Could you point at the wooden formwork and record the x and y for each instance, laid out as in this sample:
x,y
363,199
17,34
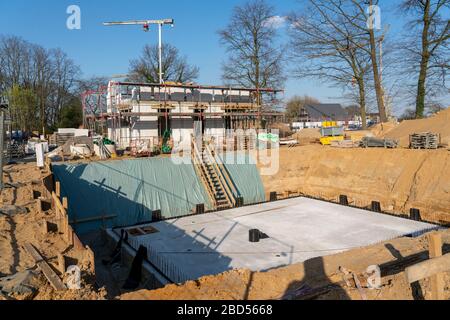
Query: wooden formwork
x,y
60,204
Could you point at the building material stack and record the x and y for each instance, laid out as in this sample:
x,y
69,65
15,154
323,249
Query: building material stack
x,y
62,138
425,140
330,132
371,142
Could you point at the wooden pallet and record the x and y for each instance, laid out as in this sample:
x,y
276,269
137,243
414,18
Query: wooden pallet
x,y
425,140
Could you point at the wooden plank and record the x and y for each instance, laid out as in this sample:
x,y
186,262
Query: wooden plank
x,y
48,272
428,268
92,219
359,286
58,188
435,251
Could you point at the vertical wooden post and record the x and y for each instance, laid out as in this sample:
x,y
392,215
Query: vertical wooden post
x,y
435,250
44,227
65,218
61,263
58,188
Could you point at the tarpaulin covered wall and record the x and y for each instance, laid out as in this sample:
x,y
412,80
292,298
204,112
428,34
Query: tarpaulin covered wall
x,y
245,175
130,190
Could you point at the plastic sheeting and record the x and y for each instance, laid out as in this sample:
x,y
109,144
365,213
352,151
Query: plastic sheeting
x,y
129,190
245,175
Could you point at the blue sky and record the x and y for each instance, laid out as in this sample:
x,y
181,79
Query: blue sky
x,y
107,51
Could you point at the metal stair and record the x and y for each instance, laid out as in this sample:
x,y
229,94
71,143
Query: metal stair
x,y
214,177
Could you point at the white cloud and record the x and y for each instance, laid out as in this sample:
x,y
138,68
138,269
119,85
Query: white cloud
x,y
276,22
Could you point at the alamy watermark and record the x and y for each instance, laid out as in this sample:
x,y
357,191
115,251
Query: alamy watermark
x,y
235,147
374,17
74,20
73,279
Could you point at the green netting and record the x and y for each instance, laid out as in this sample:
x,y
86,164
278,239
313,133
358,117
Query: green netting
x,y
245,175
129,189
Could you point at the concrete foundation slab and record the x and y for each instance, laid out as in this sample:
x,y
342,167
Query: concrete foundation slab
x,y
298,229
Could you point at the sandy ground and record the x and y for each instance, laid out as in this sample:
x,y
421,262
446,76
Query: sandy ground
x,y
26,227
439,123
400,178
290,282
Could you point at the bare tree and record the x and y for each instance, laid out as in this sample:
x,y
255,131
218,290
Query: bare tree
x,y
428,50
360,15
296,104
40,81
326,45
250,38
175,68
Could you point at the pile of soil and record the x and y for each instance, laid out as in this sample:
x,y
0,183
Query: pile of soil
x,y
399,178
21,222
439,123
289,282
381,129
307,136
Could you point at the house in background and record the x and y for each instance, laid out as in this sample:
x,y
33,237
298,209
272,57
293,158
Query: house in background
x,y
313,115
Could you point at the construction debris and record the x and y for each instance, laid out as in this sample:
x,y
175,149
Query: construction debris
x,y
426,140
345,144
21,283
371,142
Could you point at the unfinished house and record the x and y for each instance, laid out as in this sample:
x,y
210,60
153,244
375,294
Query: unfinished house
x,y
139,111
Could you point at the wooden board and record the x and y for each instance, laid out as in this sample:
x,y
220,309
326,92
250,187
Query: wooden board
x,y
428,268
435,251
48,272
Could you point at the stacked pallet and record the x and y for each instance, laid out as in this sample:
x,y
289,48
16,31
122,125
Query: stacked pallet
x,y
425,140
16,150
62,138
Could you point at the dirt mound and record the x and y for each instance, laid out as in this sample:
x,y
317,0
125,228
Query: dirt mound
x,y
307,136
22,222
290,282
439,123
381,129
400,179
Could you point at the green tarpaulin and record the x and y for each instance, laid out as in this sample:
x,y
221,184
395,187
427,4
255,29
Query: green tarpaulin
x,y
131,189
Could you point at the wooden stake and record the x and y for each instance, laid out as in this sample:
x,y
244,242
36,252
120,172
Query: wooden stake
x,y
61,263
44,227
435,251
58,188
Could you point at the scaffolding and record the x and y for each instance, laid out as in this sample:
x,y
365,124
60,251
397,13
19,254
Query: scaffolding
x,y
119,108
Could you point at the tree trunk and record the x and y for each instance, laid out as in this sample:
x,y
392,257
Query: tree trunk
x,y
421,85
362,103
376,75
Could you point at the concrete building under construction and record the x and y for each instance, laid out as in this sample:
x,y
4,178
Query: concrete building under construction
x,y
139,111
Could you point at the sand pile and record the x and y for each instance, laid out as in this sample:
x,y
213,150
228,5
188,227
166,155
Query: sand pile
x,y
307,136
439,123
18,227
287,282
381,129
400,179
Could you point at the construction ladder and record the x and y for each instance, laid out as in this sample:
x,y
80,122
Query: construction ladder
x,y
214,176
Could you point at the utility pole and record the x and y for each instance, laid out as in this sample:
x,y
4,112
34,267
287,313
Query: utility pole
x,y
4,105
146,25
